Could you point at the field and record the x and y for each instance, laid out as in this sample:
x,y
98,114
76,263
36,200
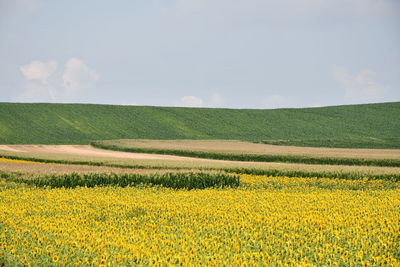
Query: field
x,y
248,148
266,220
79,205
145,202
246,151
84,155
358,126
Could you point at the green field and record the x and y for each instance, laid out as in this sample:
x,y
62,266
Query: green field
x,y
369,125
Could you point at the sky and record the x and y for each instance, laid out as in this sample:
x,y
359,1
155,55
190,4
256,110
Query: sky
x,y
201,53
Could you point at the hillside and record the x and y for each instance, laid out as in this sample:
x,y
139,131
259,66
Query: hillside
x,y
369,125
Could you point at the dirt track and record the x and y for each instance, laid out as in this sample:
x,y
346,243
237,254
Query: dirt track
x,y
89,151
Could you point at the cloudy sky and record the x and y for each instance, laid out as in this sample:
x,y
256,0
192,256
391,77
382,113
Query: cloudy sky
x,y
206,53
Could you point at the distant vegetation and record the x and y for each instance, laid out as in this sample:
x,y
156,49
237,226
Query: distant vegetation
x,y
366,142
370,125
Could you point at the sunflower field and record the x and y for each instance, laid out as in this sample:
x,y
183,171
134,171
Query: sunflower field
x,y
264,221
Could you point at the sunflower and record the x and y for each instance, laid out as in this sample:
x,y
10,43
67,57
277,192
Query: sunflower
x,y
55,258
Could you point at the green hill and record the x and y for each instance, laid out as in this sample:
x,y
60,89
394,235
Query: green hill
x,y
369,125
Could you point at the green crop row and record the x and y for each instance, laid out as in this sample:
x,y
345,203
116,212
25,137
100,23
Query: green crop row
x,y
193,180
361,142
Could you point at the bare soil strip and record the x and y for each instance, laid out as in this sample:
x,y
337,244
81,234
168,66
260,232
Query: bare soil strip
x,y
10,148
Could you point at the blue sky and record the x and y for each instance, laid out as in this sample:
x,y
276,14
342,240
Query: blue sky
x,y
207,53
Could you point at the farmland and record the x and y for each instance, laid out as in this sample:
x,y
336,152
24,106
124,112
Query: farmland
x,y
267,220
140,202
62,206
200,133
245,151
83,155
248,148
358,126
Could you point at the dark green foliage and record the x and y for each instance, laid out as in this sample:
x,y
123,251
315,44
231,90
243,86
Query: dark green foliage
x,y
258,158
362,142
82,123
4,175
193,180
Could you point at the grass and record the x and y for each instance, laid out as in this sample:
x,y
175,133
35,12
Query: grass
x,y
304,159
22,123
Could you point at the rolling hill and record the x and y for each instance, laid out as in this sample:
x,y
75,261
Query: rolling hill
x,y
367,125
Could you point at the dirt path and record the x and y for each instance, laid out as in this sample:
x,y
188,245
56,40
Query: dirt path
x,y
89,151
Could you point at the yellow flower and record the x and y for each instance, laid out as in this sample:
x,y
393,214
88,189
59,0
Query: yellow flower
x,y
298,221
55,258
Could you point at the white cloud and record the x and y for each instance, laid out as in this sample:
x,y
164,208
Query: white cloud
x,y
39,71
78,75
190,101
360,86
55,86
275,101
217,100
